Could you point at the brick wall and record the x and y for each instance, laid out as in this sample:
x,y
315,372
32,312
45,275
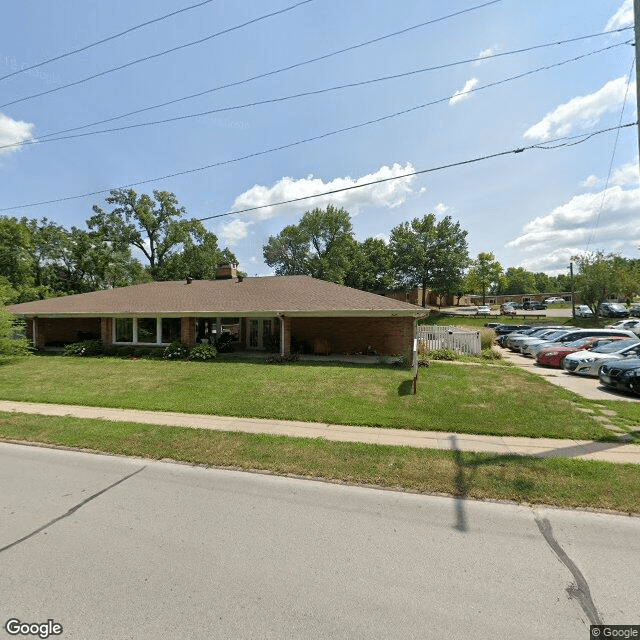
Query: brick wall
x,y
63,329
106,327
188,331
387,336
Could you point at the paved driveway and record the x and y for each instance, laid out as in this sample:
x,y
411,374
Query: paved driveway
x,y
586,387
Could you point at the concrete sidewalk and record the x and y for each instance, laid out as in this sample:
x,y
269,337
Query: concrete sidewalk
x,y
542,447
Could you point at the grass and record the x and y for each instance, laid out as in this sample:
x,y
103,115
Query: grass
x,y
557,481
459,398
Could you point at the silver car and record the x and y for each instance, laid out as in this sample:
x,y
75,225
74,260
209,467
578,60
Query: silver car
x,y
588,363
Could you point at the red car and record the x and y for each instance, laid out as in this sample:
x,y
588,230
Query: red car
x,y
553,356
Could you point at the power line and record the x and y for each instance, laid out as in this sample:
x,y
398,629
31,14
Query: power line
x,y
161,53
311,93
306,62
189,171
613,155
107,39
411,174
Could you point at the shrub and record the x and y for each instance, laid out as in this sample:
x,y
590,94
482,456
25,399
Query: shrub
x,y
176,351
86,348
442,354
487,338
154,354
278,359
491,354
141,352
203,352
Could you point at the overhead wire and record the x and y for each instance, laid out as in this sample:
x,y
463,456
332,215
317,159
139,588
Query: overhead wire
x,y
103,40
306,62
516,150
51,136
613,155
161,53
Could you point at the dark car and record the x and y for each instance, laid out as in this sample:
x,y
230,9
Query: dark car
x,y
510,328
613,310
621,374
635,310
533,305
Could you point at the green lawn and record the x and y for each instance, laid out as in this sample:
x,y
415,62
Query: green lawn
x,y
558,481
451,397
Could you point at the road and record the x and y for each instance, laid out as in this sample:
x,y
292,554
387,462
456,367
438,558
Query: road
x,y
112,547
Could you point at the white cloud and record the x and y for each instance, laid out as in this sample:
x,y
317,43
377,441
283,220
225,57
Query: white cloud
x,y
441,208
623,17
591,181
13,132
600,220
386,194
485,53
581,111
233,232
465,92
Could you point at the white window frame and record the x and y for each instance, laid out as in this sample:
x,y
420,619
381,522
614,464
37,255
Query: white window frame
x,y
158,341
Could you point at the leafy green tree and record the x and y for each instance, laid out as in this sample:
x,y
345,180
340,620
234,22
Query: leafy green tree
x,y
12,340
600,276
320,246
518,280
371,266
485,275
15,246
430,255
153,225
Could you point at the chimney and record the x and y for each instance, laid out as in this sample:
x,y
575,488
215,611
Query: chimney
x,y
226,271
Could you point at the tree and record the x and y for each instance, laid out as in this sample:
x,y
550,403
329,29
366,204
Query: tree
x,y
484,275
430,255
600,276
152,225
518,280
371,266
319,246
15,259
12,340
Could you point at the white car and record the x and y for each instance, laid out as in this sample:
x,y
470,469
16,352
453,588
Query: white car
x,y
483,310
630,324
584,311
588,363
554,300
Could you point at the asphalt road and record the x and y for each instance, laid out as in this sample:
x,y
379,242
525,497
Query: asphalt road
x,y
118,548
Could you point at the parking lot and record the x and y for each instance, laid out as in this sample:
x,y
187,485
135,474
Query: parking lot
x,y
586,387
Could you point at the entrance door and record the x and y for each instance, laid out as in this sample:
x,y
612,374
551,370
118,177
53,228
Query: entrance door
x,y
260,330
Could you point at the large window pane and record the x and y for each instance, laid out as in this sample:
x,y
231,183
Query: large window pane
x,y
170,330
147,330
124,329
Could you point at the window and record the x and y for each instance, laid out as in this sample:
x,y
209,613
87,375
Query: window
x,y
124,330
170,330
147,330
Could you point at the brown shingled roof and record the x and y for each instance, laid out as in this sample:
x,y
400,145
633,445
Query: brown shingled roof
x,y
292,295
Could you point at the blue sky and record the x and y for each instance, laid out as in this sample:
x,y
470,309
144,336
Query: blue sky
x,y
534,209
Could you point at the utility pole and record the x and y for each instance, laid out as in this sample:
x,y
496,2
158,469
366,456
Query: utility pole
x,y
573,297
636,15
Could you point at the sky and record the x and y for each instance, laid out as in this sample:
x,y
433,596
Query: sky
x,y
391,88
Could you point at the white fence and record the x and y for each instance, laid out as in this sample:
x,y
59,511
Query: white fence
x,y
436,337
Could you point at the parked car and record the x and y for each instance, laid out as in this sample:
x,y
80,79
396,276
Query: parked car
x,y
584,311
483,310
508,309
514,341
530,347
613,310
634,309
553,355
554,300
493,325
533,305
630,324
621,374
533,348
588,363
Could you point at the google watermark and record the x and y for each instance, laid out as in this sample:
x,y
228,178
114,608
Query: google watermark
x,y
14,66
15,627
598,631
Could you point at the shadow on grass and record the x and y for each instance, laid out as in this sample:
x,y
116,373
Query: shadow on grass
x,y
465,469
405,388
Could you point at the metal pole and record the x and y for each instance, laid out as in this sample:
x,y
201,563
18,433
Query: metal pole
x,y
636,15
573,297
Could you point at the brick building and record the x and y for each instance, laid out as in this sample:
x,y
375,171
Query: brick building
x,y
275,313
